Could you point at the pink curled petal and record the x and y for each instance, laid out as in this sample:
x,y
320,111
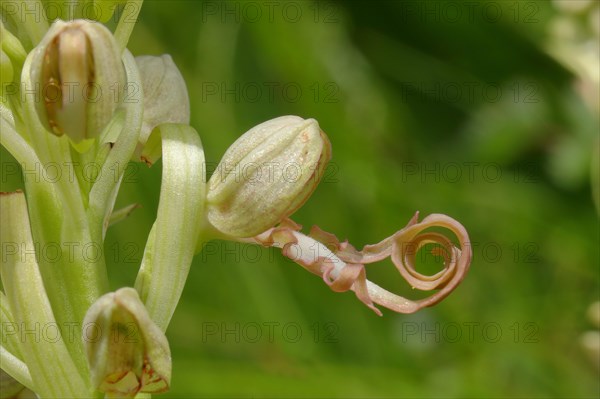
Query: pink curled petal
x,y
457,261
403,257
343,269
351,277
345,279
383,249
266,238
263,239
344,250
327,267
349,274
285,237
362,292
452,259
348,253
443,253
423,282
289,224
391,301
376,252
413,220
325,238
406,244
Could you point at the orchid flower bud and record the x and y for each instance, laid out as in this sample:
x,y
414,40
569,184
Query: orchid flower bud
x,y
266,175
165,95
126,351
77,68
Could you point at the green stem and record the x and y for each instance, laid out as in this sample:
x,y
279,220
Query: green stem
x,y
127,22
172,241
71,259
52,369
104,189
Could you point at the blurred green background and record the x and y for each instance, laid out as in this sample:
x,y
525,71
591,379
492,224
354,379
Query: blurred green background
x,y
484,111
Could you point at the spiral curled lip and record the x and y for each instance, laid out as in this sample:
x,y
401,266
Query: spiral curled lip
x,y
343,267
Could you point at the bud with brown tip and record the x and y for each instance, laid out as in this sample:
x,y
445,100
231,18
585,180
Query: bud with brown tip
x,y
78,71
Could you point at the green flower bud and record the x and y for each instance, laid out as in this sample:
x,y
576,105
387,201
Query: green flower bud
x,y
266,175
78,70
127,352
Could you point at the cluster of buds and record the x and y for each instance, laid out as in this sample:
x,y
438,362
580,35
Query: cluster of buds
x,y
79,88
81,74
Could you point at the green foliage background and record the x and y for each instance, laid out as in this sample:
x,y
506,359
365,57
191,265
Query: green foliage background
x,y
511,163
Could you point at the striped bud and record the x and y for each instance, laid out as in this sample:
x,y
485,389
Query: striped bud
x,y
78,70
266,175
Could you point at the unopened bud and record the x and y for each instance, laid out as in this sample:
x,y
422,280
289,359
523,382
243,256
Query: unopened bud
x,y
165,95
266,175
127,352
78,69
